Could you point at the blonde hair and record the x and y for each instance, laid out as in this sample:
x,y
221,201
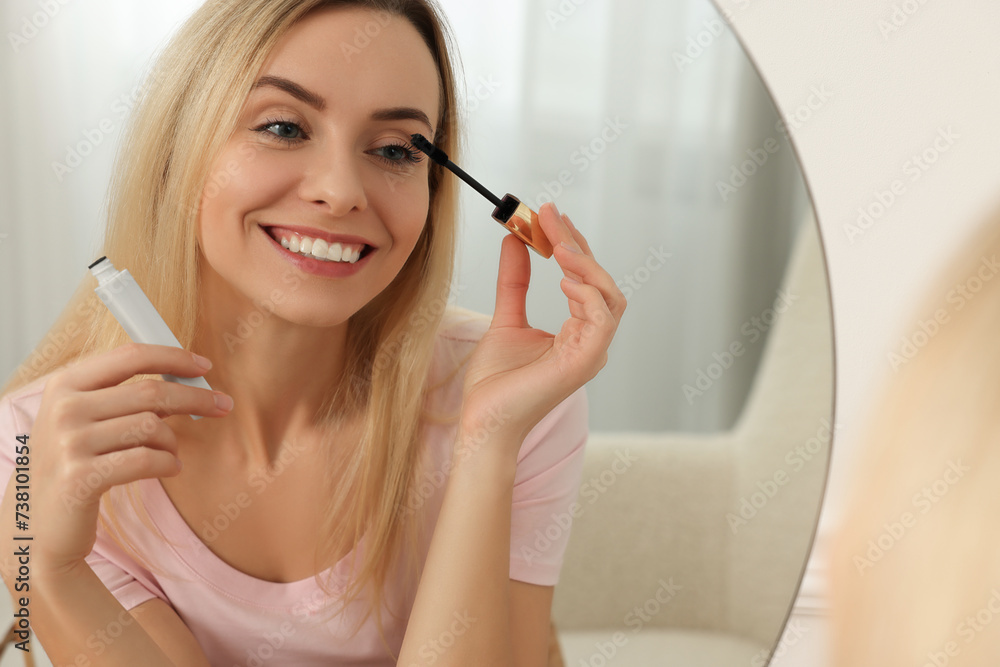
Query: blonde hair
x,y
914,564
181,122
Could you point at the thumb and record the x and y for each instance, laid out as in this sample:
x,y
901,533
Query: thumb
x,y
512,284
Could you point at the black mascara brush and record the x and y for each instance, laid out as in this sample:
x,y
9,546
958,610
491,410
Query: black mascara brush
x,y
519,220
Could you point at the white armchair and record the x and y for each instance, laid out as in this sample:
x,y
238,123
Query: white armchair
x,y
665,537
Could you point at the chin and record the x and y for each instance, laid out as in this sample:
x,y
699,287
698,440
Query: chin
x,y
329,319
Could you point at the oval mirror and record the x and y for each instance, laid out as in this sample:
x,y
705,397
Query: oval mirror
x,y
646,123
710,425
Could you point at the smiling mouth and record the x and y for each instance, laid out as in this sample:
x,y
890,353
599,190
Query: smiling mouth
x,y
334,253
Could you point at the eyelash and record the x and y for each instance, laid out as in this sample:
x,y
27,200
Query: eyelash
x,y
412,155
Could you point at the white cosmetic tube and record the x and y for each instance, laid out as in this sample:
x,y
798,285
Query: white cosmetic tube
x,y
135,312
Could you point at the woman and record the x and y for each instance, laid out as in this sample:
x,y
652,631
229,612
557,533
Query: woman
x,y
914,575
357,418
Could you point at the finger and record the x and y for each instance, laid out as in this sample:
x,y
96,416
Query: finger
x,y
144,429
556,231
114,367
577,307
580,241
555,228
593,274
137,463
600,323
512,284
150,395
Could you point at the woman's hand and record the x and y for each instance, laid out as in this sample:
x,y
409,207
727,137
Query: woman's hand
x,y
91,434
518,374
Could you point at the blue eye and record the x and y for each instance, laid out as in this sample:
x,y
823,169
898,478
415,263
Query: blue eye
x,y
399,155
283,126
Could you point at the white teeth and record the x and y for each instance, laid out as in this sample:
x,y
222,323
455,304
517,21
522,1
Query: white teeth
x,y
318,249
322,250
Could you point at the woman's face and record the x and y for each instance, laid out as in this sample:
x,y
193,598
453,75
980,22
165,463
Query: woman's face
x,y
322,151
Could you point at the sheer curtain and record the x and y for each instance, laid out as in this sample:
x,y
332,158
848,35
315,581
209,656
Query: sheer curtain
x,y
69,75
587,103
642,126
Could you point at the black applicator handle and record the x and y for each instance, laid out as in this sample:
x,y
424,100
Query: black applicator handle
x,y
439,156
519,220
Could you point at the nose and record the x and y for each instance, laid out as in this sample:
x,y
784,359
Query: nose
x,y
333,179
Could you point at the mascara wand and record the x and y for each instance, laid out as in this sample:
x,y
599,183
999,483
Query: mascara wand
x,y
519,220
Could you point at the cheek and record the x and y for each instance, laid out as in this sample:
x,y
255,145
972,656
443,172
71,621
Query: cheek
x,y
241,180
402,206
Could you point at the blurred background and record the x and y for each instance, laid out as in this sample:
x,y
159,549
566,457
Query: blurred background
x,y
639,118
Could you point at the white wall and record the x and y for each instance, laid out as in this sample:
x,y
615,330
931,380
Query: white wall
x,y
900,75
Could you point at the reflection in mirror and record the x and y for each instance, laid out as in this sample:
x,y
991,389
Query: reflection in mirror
x,y
710,425
646,123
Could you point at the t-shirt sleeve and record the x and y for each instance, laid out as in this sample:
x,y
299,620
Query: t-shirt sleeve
x,y
546,484
113,567
127,580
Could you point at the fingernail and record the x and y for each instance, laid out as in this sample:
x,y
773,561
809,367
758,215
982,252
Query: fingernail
x,y
202,361
570,248
223,401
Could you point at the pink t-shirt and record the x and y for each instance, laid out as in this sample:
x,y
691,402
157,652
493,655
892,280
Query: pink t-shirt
x,y
240,620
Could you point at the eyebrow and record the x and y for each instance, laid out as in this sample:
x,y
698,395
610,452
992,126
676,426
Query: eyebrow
x,y
318,103
293,89
403,113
